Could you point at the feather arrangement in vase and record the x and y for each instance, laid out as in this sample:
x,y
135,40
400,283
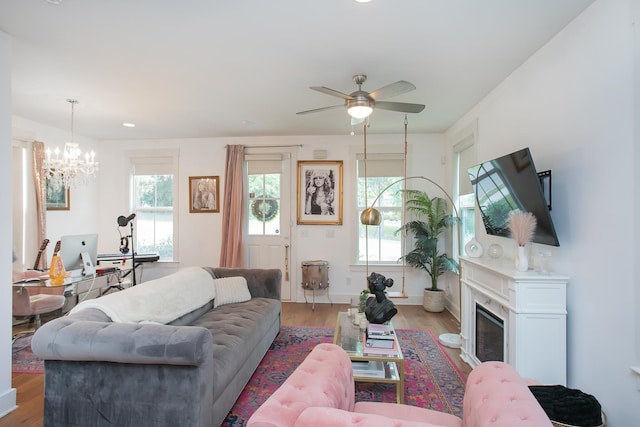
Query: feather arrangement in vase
x,y
522,226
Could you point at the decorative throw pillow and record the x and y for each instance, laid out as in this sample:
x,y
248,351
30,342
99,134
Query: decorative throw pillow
x,y
230,290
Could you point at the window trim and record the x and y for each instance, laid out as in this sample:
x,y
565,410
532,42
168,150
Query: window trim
x,y
463,140
355,154
143,157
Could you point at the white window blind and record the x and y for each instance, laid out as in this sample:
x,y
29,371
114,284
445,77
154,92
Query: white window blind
x,y
378,164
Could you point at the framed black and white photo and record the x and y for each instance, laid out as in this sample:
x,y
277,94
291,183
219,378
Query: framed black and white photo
x,y
320,192
204,194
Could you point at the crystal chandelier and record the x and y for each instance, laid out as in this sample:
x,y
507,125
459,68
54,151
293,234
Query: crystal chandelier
x,y
68,167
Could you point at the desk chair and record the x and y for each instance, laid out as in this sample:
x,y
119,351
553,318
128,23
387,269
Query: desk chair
x,y
26,305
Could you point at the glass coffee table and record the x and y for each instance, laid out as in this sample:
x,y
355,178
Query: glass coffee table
x,y
351,338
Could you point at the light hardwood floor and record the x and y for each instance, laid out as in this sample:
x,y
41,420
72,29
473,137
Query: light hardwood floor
x,y
30,386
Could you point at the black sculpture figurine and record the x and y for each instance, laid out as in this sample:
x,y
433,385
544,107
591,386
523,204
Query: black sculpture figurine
x,y
380,309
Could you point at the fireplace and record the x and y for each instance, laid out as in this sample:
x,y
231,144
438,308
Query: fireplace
x,y
515,317
489,335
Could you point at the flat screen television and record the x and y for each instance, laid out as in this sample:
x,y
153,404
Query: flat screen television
x,y
72,246
507,184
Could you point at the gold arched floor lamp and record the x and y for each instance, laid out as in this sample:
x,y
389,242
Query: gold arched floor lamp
x,y
371,216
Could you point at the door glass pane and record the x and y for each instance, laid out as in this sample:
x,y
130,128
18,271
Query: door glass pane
x,y
264,204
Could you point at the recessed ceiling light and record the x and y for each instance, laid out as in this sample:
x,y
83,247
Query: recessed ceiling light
x,y
56,2
362,1
129,125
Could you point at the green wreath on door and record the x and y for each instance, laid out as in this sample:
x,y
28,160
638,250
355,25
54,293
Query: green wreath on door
x,y
264,209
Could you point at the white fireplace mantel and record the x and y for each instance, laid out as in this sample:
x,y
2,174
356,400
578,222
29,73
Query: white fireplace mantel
x,y
531,305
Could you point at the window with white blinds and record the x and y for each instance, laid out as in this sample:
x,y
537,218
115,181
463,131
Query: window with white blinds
x,y
153,178
465,157
380,244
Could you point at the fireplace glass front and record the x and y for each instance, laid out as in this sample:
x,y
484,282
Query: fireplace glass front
x,y
489,335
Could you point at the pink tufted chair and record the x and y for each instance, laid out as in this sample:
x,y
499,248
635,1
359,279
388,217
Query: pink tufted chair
x,y
321,391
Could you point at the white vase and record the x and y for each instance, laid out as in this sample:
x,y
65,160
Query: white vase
x,y
522,260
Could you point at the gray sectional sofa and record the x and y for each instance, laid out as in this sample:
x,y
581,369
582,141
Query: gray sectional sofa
x,y
188,372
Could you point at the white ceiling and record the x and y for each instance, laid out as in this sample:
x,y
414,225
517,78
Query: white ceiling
x,y
209,68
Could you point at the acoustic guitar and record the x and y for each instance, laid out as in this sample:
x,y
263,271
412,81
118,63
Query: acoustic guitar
x,y
36,265
57,271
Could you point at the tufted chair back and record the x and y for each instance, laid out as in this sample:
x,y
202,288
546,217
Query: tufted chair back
x,y
323,379
496,396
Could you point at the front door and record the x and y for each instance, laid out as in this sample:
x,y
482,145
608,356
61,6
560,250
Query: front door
x,y
269,222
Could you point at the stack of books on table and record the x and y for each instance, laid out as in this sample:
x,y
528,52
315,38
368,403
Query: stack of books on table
x,y
379,340
371,369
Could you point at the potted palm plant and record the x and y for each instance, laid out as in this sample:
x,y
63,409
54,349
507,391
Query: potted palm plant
x,y
430,221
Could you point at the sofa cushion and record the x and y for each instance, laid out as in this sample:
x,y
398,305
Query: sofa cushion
x,y
230,290
237,331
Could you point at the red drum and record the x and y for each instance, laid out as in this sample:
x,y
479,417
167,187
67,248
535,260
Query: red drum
x,y
315,274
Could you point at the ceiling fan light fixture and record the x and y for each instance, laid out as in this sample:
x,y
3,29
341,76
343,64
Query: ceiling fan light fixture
x,y
359,109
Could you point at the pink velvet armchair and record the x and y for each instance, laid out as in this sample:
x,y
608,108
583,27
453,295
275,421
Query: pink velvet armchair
x,y
321,392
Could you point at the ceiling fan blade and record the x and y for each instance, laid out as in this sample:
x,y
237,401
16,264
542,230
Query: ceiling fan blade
x,y
331,92
393,89
402,107
320,109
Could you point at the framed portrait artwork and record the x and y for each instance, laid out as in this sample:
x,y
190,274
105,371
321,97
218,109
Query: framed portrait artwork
x,y
204,194
57,199
320,192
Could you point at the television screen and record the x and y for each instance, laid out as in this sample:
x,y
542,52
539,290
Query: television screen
x,y
511,183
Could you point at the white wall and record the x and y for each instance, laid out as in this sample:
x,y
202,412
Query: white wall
x,y
7,394
84,201
572,104
199,242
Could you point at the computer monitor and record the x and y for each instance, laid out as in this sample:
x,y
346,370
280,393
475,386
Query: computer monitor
x,y
72,247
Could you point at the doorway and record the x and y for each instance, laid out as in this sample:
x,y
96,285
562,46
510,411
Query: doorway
x,y
269,215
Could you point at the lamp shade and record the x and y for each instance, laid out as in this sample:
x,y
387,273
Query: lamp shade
x,y
359,111
359,107
370,216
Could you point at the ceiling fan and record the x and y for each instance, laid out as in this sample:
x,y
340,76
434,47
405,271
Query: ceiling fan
x,y
360,104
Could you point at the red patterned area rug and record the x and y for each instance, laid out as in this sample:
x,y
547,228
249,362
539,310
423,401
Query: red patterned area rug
x,y
432,379
23,361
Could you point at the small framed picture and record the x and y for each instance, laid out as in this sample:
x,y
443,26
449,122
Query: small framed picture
x,y
58,199
320,192
204,194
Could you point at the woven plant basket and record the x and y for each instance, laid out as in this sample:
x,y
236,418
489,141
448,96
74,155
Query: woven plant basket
x,y
559,424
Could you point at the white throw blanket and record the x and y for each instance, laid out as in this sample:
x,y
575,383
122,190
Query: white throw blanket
x,y
159,301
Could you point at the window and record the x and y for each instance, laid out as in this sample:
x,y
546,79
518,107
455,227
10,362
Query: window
x,y
153,189
465,158
384,244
